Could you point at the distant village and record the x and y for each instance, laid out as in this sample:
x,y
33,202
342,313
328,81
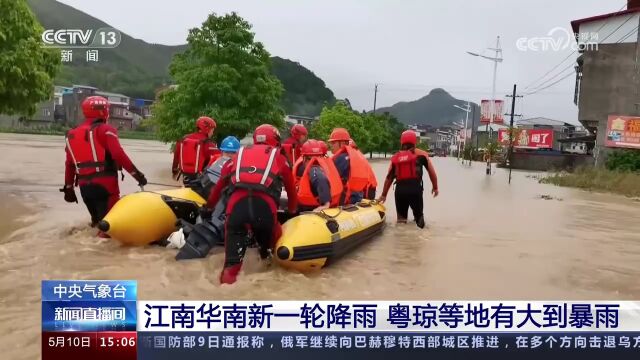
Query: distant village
x,y
126,113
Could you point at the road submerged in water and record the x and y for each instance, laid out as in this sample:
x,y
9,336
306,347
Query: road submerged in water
x,y
485,239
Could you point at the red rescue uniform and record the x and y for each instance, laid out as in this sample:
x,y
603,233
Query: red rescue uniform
x,y
291,149
254,178
406,168
93,157
192,155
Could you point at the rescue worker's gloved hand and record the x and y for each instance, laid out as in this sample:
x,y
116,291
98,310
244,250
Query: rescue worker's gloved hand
x,y
382,199
142,181
69,194
435,192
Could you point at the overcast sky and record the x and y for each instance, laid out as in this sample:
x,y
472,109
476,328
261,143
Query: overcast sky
x,y
409,46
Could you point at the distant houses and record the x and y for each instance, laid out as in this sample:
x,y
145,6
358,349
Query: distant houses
x,y
64,108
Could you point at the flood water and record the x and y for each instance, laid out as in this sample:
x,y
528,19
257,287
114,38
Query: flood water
x,y
485,240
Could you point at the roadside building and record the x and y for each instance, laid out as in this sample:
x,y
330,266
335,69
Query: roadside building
x,y
119,115
607,89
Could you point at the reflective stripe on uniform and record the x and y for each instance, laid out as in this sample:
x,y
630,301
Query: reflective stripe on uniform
x,y
267,171
93,149
181,155
239,163
197,168
73,157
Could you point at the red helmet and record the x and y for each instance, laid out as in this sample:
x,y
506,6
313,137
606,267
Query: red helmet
x,y
353,144
409,137
323,146
205,123
339,134
266,134
298,130
312,148
95,107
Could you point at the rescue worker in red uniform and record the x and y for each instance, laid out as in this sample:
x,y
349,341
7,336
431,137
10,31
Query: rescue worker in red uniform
x,y
372,184
195,151
253,179
352,166
406,168
319,185
292,145
93,158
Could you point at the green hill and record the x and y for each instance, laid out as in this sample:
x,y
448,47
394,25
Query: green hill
x,y
137,68
435,109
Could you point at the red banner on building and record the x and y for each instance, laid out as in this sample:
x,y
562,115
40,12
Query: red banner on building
x,y
485,112
528,138
623,132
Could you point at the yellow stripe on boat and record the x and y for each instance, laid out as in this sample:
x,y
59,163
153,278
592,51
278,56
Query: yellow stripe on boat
x,y
144,217
312,241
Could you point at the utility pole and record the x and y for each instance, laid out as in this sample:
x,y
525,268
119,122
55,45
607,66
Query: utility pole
x,y
375,98
512,114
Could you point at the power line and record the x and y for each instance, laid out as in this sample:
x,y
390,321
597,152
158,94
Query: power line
x,y
550,85
571,66
565,59
632,32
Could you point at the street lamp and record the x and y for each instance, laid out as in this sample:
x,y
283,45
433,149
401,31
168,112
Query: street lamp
x,y
496,60
466,121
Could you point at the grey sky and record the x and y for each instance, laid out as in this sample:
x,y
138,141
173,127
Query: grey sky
x,y
409,46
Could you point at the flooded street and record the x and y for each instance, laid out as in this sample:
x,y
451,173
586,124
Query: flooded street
x,y
485,240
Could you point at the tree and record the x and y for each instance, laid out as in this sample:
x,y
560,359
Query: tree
x,y
340,116
225,74
27,69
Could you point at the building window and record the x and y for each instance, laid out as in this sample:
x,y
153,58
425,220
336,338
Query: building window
x,y
46,112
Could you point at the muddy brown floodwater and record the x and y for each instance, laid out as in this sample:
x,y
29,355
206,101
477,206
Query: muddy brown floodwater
x,y
485,240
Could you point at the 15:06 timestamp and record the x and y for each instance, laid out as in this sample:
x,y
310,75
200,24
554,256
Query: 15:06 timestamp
x,y
117,342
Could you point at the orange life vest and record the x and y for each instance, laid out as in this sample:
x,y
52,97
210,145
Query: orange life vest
x,y
305,193
295,168
89,156
358,169
256,169
192,155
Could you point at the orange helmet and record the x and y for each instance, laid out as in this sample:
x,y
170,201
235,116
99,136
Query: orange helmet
x,y
298,130
95,107
266,134
339,134
205,123
408,137
312,148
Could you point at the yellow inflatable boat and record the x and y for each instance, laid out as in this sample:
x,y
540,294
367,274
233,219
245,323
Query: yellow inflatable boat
x,y
314,240
144,217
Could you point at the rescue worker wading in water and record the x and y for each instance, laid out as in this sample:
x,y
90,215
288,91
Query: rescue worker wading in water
x,y
292,145
317,179
406,168
93,157
254,178
195,151
352,167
